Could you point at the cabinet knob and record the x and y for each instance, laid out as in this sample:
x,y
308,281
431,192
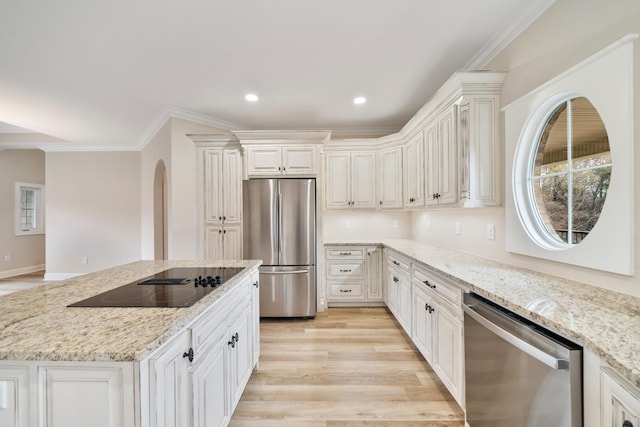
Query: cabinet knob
x,y
188,354
279,168
395,279
256,284
627,423
380,202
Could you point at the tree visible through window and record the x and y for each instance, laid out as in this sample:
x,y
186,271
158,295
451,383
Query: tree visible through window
x,y
571,171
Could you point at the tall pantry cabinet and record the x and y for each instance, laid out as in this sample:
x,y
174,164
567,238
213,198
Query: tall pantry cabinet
x,y
219,172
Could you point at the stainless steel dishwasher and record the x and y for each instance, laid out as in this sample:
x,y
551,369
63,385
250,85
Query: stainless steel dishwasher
x,y
518,374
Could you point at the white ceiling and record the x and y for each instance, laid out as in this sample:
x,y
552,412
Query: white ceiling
x,y
106,73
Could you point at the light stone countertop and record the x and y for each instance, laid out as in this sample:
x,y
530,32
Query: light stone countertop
x,y
604,321
36,324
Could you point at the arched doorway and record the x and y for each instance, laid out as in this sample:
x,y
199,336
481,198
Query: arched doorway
x,y
160,212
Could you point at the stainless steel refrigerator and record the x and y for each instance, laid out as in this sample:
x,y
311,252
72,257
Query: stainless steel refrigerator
x,y
280,229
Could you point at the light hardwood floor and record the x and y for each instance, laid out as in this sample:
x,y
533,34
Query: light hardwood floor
x,y
348,367
18,283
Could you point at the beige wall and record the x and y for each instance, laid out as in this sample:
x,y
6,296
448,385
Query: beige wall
x,y
93,211
172,145
27,252
569,32
365,225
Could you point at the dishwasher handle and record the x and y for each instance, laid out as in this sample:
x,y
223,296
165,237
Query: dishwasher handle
x,y
533,351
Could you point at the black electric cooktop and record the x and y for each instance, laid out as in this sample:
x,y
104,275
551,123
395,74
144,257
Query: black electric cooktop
x,y
176,287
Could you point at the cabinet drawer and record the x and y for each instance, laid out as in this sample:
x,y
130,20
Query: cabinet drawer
x,y
438,285
345,253
400,264
345,291
351,271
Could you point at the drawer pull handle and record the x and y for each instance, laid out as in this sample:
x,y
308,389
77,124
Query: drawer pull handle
x,y
345,290
426,282
345,271
188,354
345,253
395,262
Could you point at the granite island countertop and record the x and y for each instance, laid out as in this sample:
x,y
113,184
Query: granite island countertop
x,y
604,321
36,324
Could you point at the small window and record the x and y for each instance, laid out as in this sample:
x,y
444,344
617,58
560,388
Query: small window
x,y
29,205
570,174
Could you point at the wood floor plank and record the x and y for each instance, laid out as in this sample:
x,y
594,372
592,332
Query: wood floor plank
x,y
348,367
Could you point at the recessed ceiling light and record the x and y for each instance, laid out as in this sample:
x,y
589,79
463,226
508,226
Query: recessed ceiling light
x,y
251,97
359,100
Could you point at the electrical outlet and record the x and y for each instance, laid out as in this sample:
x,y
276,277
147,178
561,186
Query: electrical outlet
x,y
457,227
7,258
491,231
85,260
347,223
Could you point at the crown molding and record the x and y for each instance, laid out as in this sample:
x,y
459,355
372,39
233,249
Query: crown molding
x,y
507,34
180,113
247,137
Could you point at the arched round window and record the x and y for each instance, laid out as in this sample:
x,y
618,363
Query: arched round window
x,y
567,175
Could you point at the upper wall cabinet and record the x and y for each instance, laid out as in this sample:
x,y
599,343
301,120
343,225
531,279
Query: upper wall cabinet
x,y
350,180
281,153
389,175
441,159
277,160
413,172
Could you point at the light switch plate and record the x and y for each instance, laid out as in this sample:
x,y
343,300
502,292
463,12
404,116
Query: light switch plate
x,y
491,231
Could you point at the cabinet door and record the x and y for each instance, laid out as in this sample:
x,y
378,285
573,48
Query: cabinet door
x,y
620,401
422,322
240,354
404,304
211,406
338,180
432,163
213,243
231,186
255,320
414,172
213,186
264,161
231,242
392,291
14,389
374,274
447,351
300,160
447,157
389,175
363,180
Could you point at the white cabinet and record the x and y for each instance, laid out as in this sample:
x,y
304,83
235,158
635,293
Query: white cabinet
x,y
350,180
208,386
413,172
223,242
441,159
389,174
14,396
220,176
399,289
279,160
480,149
170,404
353,275
620,401
437,327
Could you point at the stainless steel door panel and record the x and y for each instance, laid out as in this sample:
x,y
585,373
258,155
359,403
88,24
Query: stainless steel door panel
x,y
287,291
297,201
260,220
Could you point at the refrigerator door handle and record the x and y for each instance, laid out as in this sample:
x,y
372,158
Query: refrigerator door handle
x,y
285,272
276,220
279,224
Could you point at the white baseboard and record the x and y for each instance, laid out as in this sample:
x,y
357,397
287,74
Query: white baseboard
x,y
21,271
60,276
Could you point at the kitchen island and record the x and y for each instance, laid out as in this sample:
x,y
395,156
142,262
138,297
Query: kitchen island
x,y
126,366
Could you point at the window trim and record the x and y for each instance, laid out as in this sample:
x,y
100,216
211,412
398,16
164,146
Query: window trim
x,y
39,194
